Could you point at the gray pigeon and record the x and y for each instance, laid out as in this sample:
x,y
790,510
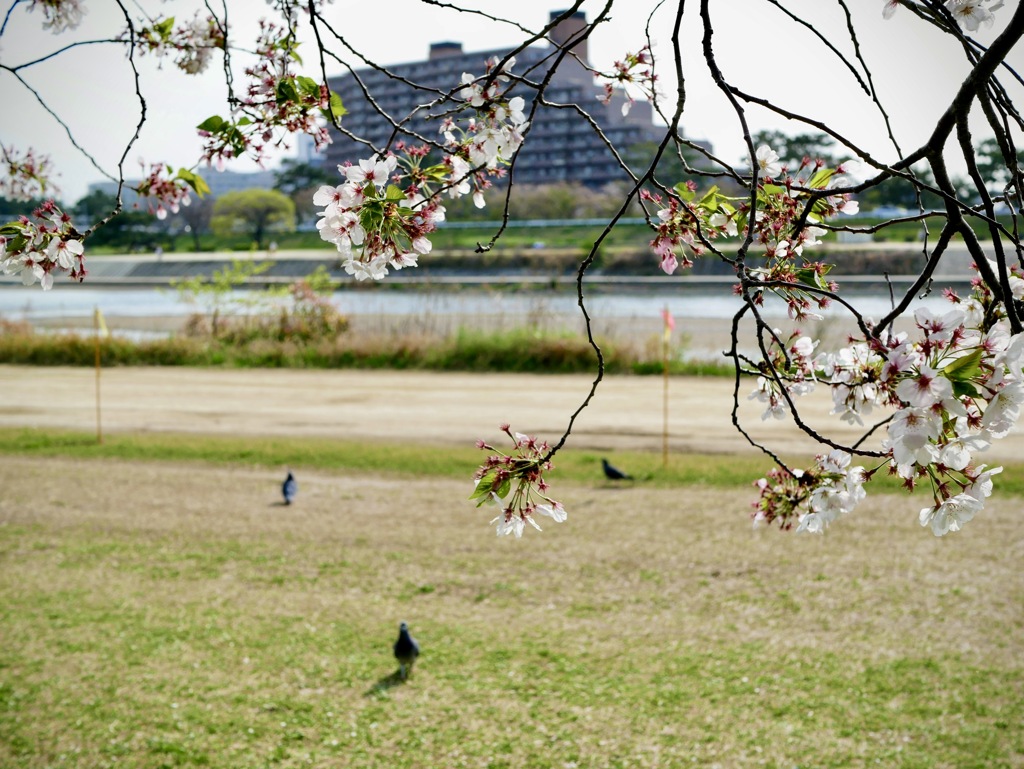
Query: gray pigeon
x,y
613,473
289,488
406,651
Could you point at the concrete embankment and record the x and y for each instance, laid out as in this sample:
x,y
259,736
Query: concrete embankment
x,y
866,265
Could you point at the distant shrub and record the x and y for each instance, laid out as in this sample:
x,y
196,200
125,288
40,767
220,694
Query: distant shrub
x,y
263,316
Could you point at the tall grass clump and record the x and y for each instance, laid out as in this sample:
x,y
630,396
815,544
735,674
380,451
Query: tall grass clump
x,y
518,350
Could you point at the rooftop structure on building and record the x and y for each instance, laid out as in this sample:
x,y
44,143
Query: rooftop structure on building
x,y
561,146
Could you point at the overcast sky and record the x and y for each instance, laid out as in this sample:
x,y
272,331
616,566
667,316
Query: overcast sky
x,y
759,50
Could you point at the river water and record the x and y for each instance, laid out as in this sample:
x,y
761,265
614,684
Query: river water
x,y
73,301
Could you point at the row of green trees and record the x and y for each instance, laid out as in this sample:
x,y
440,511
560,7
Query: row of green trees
x,y
257,213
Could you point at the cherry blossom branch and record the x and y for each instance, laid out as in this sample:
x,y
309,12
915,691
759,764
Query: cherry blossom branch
x,y
59,121
826,42
59,51
7,16
922,279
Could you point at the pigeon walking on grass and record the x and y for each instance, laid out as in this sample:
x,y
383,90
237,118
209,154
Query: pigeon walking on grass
x,y
406,651
612,473
289,488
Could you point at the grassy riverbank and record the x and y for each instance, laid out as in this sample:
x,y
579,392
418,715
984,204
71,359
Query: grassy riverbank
x,y
520,350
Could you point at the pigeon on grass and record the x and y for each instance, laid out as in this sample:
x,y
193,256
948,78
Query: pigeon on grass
x,y
612,473
289,488
406,651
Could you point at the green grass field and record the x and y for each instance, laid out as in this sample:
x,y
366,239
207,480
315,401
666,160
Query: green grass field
x,y
166,612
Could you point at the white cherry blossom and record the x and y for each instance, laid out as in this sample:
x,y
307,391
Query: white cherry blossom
x,y
554,511
768,161
951,514
1004,409
925,389
970,13
982,486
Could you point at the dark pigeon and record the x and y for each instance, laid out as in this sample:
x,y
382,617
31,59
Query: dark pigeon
x,y
406,651
612,473
289,488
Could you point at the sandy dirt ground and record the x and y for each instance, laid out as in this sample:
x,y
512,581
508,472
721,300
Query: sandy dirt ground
x,y
427,407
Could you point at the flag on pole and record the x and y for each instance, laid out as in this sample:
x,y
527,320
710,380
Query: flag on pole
x,y
99,324
670,323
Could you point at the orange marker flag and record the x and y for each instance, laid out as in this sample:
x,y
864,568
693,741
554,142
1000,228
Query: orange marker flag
x,y
670,323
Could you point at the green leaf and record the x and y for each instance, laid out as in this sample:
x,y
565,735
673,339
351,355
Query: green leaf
x,y
962,388
195,181
17,244
821,178
965,368
214,124
286,91
308,86
394,194
236,138
10,228
684,192
710,199
809,277
483,488
820,207
337,109
434,173
163,28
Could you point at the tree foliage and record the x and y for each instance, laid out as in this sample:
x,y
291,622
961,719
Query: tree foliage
x,y
794,149
254,212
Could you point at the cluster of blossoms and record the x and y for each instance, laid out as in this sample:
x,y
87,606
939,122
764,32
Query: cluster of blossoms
x,y
36,249
687,222
488,140
376,224
790,206
635,72
276,104
164,192
814,498
969,14
381,215
793,363
785,198
59,15
514,483
955,389
192,42
853,374
24,177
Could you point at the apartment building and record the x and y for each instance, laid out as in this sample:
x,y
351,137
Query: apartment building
x,y
560,147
